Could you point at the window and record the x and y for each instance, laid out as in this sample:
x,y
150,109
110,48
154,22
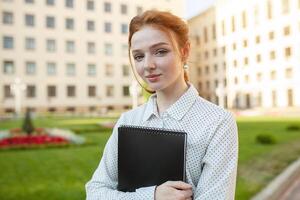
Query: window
x,y
289,73
215,52
124,29
274,98
69,24
126,92
214,31
285,6
223,49
290,97
51,45
244,19
7,92
69,3
125,70
109,70
234,46
51,68
7,18
51,91
269,9
287,52
30,91
8,42
257,39
30,68
271,35
236,81
139,10
123,9
206,54
245,43
199,71
232,24
207,85
223,28
107,27
207,69
216,83
71,91
29,1
272,55
273,75
90,5
109,91
29,43
256,15
8,67
286,30
108,49
258,58
91,70
107,7
29,20
205,35
258,76
246,61
50,22
92,91
235,64
91,48
50,2
70,46
71,70
216,68
124,50
90,25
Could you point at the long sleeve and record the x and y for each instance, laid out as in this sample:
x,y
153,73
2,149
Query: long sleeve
x,y
219,165
103,184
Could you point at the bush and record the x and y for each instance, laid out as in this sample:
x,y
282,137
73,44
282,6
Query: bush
x,y
265,139
293,128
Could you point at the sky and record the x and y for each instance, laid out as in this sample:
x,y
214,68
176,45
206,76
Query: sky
x,y
195,6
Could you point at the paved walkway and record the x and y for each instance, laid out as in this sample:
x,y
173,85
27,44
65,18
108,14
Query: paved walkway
x,y
293,192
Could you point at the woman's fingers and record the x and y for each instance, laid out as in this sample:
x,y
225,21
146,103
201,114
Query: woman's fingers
x,y
179,185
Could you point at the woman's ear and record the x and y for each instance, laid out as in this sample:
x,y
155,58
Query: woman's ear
x,y
185,51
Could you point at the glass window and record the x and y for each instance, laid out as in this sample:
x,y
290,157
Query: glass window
x,y
124,50
90,25
71,91
50,2
139,10
29,1
7,92
8,42
287,30
50,22
51,68
92,70
29,43
289,73
126,92
30,68
70,46
124,29
109,91
288,52
123,9
30,91
125,70
51,91
108,49
91,91
90,5
71,70
91,48
51,45
69,24
107,27
285,6
69,3
107,7
8,67
109,70
7,18
29,20
290,97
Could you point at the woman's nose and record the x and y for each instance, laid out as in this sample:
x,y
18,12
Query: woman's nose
x,y
149,63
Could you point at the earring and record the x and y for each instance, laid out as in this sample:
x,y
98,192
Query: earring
x,y
185,66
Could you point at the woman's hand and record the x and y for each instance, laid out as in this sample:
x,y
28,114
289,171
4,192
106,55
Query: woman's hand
x,y
174,190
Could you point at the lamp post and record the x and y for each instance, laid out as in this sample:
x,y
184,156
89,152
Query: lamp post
x,y
17,87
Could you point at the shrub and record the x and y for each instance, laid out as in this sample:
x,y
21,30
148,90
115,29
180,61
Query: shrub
x,y
293,127
265,139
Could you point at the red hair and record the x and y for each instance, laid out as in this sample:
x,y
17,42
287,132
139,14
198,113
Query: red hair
x,y
172,25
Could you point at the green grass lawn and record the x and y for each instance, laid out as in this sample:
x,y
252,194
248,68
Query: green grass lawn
x,y
60,173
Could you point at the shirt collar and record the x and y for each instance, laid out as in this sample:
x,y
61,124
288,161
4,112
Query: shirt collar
x,y
177,110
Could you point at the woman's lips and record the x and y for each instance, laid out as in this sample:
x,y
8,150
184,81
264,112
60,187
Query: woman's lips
x,y
153,77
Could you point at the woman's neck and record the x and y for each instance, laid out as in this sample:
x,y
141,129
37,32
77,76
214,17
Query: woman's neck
x,y
168,96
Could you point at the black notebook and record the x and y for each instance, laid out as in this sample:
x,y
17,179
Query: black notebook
x,y
149,156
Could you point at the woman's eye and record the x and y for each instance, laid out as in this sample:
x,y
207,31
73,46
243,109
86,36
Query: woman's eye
x,y
161,52
138,57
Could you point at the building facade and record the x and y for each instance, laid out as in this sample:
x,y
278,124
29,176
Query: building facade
x,y
68,55
247,56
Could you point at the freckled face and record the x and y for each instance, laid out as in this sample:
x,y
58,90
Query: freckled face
x,y
155,59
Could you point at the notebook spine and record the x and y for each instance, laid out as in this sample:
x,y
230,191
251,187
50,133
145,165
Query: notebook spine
x,y
155,130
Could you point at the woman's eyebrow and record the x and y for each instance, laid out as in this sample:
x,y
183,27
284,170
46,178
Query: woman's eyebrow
x,y
151,47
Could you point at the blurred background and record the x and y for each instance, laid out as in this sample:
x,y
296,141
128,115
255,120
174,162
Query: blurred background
x,y
65,78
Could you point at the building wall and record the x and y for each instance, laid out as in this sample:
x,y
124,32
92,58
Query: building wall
x,y
259,49
13,27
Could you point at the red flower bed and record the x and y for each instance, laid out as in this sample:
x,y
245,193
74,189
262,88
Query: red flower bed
x,y
31,140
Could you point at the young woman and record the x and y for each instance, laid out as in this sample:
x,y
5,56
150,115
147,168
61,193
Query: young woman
x,y
159,45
